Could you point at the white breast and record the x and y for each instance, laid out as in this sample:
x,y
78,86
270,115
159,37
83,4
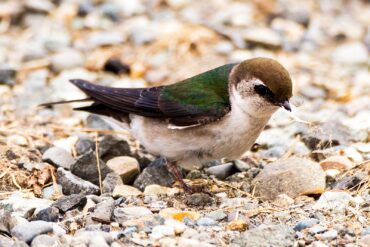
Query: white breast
x,y
229,137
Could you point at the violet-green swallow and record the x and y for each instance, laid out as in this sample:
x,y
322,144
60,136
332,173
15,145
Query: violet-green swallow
x,y
214,115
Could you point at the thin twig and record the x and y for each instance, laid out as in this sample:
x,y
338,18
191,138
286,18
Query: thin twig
x,y
98,161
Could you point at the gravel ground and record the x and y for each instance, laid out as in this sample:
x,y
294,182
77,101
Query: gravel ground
x,y
72,179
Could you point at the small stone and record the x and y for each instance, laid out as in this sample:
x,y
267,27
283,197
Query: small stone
x,y
162,231
172,213
7,76
283,200
66,59
333,200
293,177
237,225
97,39
241,165
17,140
216,215
129,230
198,200
329,235
326,135
221,171
66,203
366,231
116,66
111,147
337,162
51,191
155,189
303,224
84,145
125,191
86,167
154,175
178,226
22,205
263,37
91,238
204,221
97,122
317,229
28,231
72,184
278,235
351,53
50,214
127,167
58,157
103,211
133,211
111,181
44,240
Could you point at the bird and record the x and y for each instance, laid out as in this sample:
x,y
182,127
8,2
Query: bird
x,y
210,116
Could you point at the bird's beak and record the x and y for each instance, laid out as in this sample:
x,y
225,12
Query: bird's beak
x,y
285,104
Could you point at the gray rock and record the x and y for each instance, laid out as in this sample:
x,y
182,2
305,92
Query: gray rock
x,y
58,157
326,135
22,205
111,147
74,185
204,221
241,165
27,232
7,76
317,229
50,214
97,122
45,240
216,215
329,235
103,211
111,181
221,171
293,177
154,175
349,182
86,168
6,241
333,200
84,145
266,235
66,59
198,200
66,203
306,223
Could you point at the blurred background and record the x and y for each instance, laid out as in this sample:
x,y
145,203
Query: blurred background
x,y
138,43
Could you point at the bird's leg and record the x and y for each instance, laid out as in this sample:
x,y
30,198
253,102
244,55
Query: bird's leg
x,y
172,167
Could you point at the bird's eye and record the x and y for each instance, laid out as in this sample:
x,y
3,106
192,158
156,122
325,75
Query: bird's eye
x,y
262,90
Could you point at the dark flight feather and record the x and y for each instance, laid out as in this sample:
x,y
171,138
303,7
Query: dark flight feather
x,y
198,100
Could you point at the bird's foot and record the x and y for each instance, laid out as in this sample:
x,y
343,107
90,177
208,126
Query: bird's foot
x,y
172,167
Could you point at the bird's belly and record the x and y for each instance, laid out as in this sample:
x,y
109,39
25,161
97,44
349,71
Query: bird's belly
x,y
223,139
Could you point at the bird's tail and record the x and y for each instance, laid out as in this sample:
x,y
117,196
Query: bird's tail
x,y
49,104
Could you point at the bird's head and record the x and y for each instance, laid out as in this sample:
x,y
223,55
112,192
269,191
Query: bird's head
x,y
262,85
